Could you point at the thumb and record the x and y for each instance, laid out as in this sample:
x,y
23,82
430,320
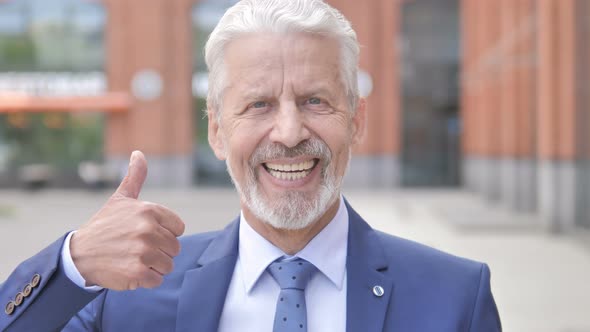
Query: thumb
x,y
136,173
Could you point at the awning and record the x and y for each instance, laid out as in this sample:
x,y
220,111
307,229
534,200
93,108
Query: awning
x,y
109,102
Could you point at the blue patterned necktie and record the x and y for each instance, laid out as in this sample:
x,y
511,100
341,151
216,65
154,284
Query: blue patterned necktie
x,y
292,276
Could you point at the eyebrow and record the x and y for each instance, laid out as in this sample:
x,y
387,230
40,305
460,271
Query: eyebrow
x,y
253,94
319,90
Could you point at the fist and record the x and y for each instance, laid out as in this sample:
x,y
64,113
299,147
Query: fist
x,y
128,243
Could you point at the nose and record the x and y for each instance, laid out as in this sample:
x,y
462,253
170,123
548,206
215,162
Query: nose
x,y
289,126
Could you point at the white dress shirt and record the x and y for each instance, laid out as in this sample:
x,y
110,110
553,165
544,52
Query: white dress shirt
x,y
252,295
68,266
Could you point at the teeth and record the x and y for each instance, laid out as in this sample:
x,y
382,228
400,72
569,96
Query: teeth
x,y
307,165
290,172
291,176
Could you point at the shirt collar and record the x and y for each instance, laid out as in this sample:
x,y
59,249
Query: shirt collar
x,y
255,253
326,251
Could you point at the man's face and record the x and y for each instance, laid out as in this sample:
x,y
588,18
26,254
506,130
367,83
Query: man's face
x,y
285,127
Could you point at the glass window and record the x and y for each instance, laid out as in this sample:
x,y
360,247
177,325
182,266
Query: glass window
x,y
54,42
205,16
58,35
430,69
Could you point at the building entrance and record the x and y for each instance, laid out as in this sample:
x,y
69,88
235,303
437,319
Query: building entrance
x,y
430,73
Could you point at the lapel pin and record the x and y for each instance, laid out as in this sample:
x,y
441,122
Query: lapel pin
x,y
378,291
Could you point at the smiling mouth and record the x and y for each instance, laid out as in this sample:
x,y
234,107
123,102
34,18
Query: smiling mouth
x,y
291,172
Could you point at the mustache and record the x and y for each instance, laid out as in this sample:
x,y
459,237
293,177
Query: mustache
x,y
312,147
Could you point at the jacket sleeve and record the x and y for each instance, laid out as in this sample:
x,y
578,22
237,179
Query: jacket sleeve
x,y
485,317
38,296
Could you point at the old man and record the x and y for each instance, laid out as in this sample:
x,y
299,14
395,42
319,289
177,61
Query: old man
x,y
284,113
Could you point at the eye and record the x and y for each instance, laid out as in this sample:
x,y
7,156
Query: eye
x,y
314,101
259,104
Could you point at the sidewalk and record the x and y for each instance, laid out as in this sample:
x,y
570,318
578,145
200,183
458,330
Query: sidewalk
x,y
541,282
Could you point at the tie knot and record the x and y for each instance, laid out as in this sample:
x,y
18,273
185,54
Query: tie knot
x,y
293,274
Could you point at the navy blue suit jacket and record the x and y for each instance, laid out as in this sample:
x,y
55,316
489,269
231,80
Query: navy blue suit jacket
x,y
425,290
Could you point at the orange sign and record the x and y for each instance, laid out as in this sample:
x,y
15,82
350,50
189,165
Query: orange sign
x,y
109,102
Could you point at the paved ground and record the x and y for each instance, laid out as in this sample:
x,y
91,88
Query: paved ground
x,y
541,282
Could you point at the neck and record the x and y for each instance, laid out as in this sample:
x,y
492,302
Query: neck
x,y
291,241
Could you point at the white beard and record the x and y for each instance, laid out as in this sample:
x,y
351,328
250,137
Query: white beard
x,y
293,210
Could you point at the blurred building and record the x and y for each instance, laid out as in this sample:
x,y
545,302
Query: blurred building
x,y
488,94
525,105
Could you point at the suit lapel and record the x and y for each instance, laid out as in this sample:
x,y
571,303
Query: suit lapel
x,y
204,288
203,292
365,266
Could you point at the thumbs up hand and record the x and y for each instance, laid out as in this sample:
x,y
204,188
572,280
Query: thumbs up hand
x,y
128,243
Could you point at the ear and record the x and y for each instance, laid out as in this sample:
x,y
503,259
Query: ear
x,y
359,121
215,135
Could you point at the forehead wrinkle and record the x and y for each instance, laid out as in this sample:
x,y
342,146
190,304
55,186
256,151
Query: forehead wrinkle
x,y
308,75
255,82
250,74
302,66
321,83
249,60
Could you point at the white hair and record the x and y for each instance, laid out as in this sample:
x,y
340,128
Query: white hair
x,y
281,16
